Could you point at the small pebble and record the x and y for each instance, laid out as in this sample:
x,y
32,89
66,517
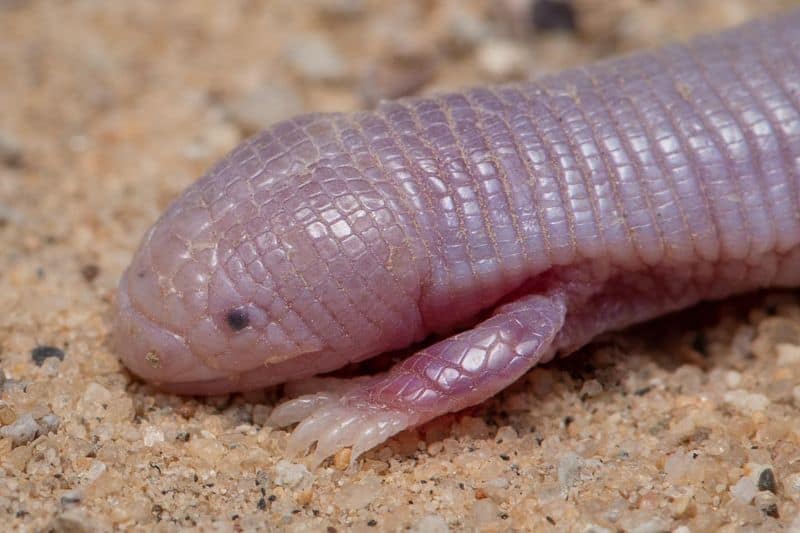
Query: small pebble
x,y
503,60
590,389
744,490
71,497
22,431
338,9
733,379
553,15
291,475
359,494
40,353
7,414
74,520
593,528
152,435
263,107
431,524
470,426
209,450
496,489
463,31
766,480
746,401
767,503
569,470
10,151
506,434
484,512
341,459
315,59
788,354
49,423
90,272
650,525
393,77
792,486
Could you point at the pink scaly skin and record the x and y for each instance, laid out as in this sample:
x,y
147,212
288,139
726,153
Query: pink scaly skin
x,y
522,220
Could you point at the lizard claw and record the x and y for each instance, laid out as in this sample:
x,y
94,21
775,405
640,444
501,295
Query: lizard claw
x,y
334,422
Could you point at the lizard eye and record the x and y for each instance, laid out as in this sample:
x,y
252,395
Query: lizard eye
x,y
237,318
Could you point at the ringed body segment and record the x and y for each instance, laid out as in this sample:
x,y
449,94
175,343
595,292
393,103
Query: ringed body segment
x,y
516,222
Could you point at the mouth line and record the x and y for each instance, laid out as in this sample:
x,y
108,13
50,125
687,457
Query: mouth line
x,y
134,314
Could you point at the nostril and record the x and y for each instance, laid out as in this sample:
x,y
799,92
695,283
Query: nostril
x,y
237,318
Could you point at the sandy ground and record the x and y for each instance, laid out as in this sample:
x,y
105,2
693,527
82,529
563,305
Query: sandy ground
x,y
109,109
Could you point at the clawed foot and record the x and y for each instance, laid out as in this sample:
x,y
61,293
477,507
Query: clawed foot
x,y
338,418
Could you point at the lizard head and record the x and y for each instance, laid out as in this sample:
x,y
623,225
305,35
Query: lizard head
x,y
277,264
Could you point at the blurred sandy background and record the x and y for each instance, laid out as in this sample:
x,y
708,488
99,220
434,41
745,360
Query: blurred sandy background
x,y
109,109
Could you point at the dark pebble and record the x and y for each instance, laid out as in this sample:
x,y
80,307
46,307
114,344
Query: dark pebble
x,y
700,343
372,523
10,151
766,481
262,504
90,272
157,510
71,498
553,15
40,353
771,510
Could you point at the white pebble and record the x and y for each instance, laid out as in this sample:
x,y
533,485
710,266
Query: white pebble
x,y
502,59
569,469
359,494
746,401
506,434
97,469
49,423
677,465
733,379
651,525
792,486
96,393
484,512
263,107
341,8
744,490
314,58
22,431
152,435
431,524
593,528
788,354
591,388
288,474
